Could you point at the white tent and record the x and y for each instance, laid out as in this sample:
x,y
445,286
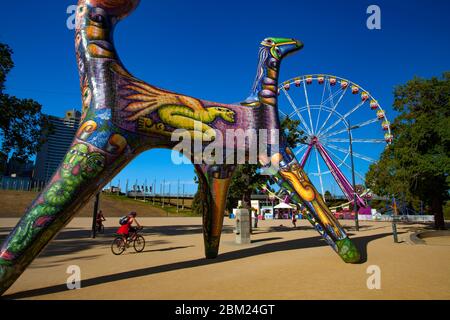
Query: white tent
x,y
283,205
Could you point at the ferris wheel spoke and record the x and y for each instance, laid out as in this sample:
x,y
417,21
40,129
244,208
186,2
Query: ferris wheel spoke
x,y
363,157
319,172
329,114
293,113
337,173
344,117
346,140
356,126
344,163
321,106
323,91
309,109
338,148
283,114
300,149
332,95
297,111
332,111
305,156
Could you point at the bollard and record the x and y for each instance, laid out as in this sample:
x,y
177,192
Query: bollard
x,y
242,226
255,221
394,229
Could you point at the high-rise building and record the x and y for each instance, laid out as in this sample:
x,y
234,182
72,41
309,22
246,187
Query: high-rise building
x,y
17,168
54,150
3,163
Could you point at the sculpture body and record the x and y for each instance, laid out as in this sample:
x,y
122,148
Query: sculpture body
x,y
124,116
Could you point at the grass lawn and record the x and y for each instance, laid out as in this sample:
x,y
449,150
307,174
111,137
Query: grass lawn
x,y
171,209
14,204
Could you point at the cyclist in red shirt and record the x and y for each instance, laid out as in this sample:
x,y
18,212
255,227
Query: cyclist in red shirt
x,y
127,228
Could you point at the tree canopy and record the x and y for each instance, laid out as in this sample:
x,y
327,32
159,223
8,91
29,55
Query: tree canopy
x,y
416,165
328,196
6,64
21,121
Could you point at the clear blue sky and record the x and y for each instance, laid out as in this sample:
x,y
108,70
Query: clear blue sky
x,y
208,49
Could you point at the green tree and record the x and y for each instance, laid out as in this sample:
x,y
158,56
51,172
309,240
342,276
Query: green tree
x,y
417,164
294,136
245,181
6,64
21,120
328,196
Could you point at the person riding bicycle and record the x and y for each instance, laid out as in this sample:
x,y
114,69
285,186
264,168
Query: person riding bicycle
x,y
127,228
127,235
99,220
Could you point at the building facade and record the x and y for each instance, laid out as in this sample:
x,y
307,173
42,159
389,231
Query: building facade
x,y
3,163
16,168
54,150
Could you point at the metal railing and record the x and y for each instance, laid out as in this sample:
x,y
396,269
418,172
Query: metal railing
x,y
21,184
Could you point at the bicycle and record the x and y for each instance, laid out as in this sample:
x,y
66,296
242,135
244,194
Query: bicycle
x,y
120,243
100,227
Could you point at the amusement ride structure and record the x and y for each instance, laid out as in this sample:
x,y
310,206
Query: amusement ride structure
x,y
332,110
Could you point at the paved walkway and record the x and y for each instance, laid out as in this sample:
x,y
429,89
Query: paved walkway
x,y
281,263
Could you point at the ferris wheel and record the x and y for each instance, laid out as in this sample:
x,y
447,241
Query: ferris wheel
x,y
338,118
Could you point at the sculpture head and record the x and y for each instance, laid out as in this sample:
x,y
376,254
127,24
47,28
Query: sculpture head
x,y
271,52
281,47
114,8
98,18
103,14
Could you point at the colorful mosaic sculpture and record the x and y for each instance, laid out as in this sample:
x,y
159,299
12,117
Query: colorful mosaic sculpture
x,y
124,116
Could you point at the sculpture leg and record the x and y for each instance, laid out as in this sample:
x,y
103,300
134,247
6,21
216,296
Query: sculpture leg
x,y
326,224
214,182
293,178
83,172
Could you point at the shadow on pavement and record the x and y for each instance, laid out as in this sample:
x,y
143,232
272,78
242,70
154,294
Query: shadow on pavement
x,y
161,250
317,241
72,240
266,239
176,230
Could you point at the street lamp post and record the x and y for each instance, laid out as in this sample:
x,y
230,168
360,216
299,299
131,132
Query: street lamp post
x,y
94,216
355,203
154,191
145,187
178,192
182,200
